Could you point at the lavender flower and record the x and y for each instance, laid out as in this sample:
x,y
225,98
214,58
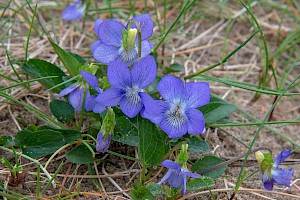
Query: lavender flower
x,y
90,103
119,43
270,172
127,86
103,143
176,175
75,11
178,114
76,95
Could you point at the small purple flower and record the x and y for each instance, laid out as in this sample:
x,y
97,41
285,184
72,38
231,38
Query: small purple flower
x,y
176,176
274,174
120,43
76,95
127,85
75,11
90,103
102,144
178,115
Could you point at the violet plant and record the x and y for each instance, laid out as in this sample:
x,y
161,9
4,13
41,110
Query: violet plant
x,y
122,96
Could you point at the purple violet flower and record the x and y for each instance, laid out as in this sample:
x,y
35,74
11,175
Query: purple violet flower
x,y
178,115
75,11
127,85
102,144
120,43
90,103
270,172
176,175
76,94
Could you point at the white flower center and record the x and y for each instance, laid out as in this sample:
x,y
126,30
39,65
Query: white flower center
x,y
176,114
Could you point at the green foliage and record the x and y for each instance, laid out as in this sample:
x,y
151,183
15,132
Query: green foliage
x,y
125,132
44,141
80,155
4,140
72,62
175,68
200,183
153,145
206,163
141,192
62,110
216,110
197,145
40,68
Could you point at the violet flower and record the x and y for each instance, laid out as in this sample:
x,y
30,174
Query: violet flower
x,y
76,95
90,103
120,43
75,11
127,85
178,115
176,175
102,143
270,172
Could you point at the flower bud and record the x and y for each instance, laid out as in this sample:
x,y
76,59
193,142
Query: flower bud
x,y
102,144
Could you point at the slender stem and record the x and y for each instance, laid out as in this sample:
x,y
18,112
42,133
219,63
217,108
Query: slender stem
x,y
139,32
257,132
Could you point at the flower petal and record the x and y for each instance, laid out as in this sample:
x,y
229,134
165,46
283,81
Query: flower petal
x,y
118,75
166,176
97,26
153,109
95,45
146,25
170,88
176,179
268,185
197,94
105,53
98,108
196,122
91,80
131,104
90,103
284,154
171,165
144,72
68,90
74,11
76,98
127,57
110,97
110,32
102,145
282,176
190,174
146,48
173,128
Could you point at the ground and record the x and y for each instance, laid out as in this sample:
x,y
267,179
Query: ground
x,y
207,33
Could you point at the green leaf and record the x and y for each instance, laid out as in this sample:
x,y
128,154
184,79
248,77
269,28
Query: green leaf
x,y
71,62
141,193
208,162
40,68
200,183
152,142
39,143
175,68
80,155
197,145
125,132
62,110
69,135
216,110
4,140
154,189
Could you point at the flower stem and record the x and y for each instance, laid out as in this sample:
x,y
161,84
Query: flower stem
x,y
139,33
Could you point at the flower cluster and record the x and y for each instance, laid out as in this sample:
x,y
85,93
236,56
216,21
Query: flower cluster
x,y
270,173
